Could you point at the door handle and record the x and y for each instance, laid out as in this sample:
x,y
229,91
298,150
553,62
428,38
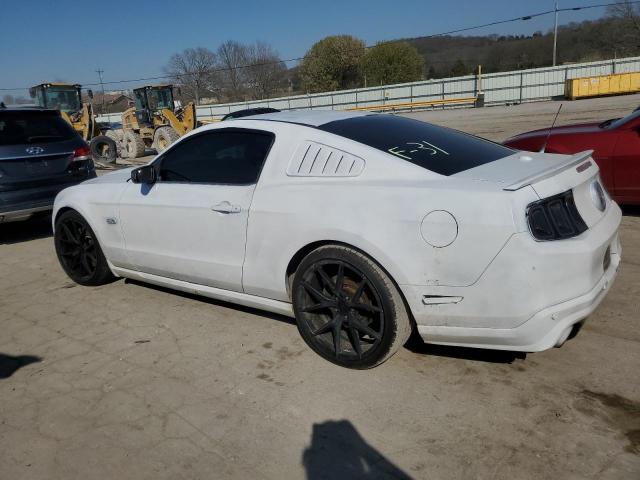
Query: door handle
x,y
226,207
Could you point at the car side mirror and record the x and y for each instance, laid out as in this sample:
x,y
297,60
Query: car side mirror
x,y
146,174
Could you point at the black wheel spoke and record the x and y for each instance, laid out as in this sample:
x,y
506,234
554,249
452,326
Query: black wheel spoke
x,y
73,253
326,280
324,328
366,329
319,306
340,278
70,236
85,263
337,333
366,307
358,293
92,258
354,338
314,292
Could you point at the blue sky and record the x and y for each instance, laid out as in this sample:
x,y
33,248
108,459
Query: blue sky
x,y
67,40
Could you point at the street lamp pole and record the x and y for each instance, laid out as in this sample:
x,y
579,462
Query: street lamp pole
x,y
99,71
555,33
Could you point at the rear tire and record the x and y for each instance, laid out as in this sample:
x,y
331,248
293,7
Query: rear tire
x,y
103,149
132,145
116,136
347,308
79,252
164,137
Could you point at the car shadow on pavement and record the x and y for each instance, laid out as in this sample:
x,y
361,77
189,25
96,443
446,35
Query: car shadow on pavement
x,y
9,364
338,451
213,301
31,229
415,344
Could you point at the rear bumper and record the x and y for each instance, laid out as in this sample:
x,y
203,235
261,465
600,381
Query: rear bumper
x,y
21,204
529,297
547,328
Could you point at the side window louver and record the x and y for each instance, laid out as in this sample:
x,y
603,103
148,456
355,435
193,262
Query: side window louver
x,y
316,160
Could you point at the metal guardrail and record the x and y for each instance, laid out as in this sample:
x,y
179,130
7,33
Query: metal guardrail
x,y
501,88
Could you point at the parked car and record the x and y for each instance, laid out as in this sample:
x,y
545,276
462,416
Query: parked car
x,y
248,112
361,226
40,154
615,144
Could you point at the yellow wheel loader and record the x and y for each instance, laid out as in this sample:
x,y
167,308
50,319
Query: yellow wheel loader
x,y
154,122
67,98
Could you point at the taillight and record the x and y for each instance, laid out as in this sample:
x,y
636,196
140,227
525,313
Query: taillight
x,y
555,218
82,153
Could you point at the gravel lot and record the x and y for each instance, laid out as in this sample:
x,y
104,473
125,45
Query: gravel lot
x,y
134,382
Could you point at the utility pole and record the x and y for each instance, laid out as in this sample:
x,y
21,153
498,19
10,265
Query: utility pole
x,y
99,71
555,33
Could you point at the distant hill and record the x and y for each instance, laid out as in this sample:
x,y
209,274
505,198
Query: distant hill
x,y
577,42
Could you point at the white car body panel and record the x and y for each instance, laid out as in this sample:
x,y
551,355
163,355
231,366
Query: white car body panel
x,y
492,286
176,233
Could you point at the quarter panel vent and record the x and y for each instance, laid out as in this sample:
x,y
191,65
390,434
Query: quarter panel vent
x,y
316,160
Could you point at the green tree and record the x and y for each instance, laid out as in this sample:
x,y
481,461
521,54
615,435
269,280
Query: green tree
x,y
392,62
431,73
459,69
332,63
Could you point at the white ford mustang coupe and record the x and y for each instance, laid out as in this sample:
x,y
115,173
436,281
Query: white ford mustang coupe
x,y
364,227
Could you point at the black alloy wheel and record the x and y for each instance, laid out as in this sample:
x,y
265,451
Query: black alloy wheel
x,y
347,309
79,252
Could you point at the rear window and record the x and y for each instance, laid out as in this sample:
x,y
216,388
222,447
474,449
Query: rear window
x,y
435,148
19,128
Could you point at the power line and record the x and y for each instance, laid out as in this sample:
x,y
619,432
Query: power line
x,y
297,59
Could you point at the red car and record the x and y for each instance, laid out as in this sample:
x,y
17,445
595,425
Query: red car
x,y
616,150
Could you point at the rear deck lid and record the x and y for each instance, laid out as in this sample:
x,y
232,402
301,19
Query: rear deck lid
x,y
549,175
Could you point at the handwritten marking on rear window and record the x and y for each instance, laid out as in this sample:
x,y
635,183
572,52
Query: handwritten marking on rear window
x,y
413,147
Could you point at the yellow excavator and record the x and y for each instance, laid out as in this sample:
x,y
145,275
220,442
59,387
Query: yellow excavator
x,y
154,121
67,98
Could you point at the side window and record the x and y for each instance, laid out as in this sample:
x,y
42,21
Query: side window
x,y
227,156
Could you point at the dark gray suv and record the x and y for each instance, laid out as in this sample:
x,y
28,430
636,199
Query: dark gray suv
x,y
40,154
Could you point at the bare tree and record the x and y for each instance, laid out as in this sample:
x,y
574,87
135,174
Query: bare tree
x,y
8,99
624,9
232,57
266,71
628,37
194,70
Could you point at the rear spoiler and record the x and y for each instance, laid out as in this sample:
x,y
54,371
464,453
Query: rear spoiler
x,y
572,161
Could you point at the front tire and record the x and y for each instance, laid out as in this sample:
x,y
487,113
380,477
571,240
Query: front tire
x,y
164,137
347,308
132,145
79,252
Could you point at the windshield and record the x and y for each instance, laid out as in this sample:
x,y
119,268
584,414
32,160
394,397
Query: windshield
x,y
18,128
618,122
434,148
66,99
160,98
